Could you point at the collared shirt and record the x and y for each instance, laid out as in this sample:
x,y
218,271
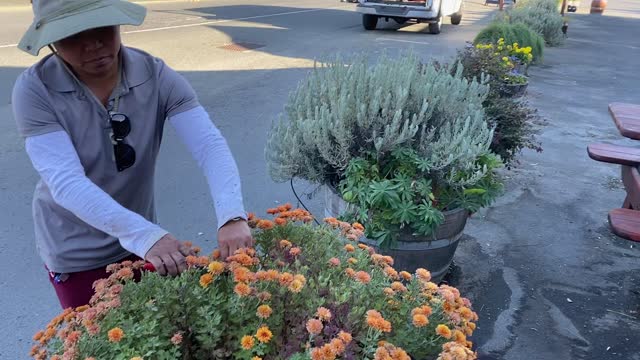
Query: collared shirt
x,y
47,98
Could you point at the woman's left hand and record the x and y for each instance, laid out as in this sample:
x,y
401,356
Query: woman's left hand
x,y
233,236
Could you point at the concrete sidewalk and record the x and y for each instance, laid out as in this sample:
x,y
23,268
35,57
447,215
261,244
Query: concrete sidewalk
x,y
548,278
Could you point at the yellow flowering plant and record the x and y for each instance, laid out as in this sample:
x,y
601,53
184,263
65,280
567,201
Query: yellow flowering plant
x,y
305,292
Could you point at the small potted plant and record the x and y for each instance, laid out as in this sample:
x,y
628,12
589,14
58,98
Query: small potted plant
x,y
514,84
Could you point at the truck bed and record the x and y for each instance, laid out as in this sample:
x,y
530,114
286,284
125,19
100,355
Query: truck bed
x,y
399,2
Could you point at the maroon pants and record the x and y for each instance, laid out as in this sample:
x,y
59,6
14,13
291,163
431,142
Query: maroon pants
x,y
76,289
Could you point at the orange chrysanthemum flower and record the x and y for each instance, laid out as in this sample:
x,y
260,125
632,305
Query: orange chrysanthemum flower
x,y
444,331
115,335
176,339
295,251
345,337
337,346
420,320
391,273
125,274
247,342
251,216
358,226
423,274
314,326
264,311
285,279
205,280
285,244
363,277
323,314
242,289
398,286
273,275
280,221
273,211
350,272
363,246
216,254
191,260
466,313
264,335
376,321
459,337
334,262
296,286
389,291
352,261
349,248
242,274
265,224
256,358
405,275
216,267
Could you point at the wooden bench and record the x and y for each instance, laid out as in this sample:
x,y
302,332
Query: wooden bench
x,y
625,223
614,154
627,119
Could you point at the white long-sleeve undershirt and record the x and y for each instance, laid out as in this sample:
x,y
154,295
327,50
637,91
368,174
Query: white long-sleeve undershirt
x,y
56,160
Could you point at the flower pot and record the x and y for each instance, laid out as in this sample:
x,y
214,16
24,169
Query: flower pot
x,y
513,90
598,6
434,253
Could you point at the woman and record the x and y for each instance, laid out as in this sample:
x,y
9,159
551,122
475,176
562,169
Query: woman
x,y
92,114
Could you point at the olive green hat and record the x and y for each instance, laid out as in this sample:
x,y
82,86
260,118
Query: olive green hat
x,y
55,20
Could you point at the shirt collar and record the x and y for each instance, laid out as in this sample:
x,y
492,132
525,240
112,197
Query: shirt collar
x,y
136,71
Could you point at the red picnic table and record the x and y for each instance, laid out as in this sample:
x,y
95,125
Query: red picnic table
x,y
625,222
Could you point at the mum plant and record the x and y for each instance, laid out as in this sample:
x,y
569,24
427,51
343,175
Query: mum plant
x,y
306,292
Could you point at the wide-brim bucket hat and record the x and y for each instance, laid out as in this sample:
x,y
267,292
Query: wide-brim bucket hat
x,y
55,20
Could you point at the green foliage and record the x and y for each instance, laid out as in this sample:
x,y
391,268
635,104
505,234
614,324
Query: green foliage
x,y
344,110
404,190
514,127
542,16
512,119
512,33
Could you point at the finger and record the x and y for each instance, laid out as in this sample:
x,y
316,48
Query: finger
x,y
185,250
179,259
172,268
234,246
157,263
224,250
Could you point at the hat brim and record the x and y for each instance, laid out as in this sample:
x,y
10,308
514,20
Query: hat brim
x,y
118,13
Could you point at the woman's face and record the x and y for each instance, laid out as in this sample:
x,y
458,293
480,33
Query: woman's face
x,y
92,52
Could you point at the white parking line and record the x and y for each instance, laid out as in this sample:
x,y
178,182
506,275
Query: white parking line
x,y
216,22
404,41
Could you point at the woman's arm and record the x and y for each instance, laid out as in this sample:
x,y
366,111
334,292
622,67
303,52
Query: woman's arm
x,y
55,159
210,150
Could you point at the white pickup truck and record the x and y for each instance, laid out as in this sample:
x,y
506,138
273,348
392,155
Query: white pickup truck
x,y
401,11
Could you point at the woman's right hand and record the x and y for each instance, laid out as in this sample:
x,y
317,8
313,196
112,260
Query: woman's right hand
x,y
168,256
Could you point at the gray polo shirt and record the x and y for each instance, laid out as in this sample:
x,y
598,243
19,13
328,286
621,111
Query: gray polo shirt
x,y
50,99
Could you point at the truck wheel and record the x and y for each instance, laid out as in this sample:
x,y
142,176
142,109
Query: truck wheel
x,y
369,21
434,28
456,18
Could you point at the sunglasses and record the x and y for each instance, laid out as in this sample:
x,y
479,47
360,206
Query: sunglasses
x,y
125,155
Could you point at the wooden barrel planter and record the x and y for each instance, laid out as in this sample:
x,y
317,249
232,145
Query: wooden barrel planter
x,y
434,253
